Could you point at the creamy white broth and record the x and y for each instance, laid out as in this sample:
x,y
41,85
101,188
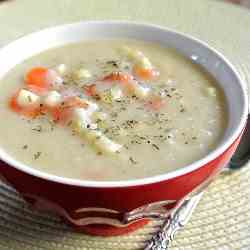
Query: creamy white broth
x,y
185,129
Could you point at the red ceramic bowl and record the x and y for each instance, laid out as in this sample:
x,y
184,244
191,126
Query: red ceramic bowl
x,y
108,208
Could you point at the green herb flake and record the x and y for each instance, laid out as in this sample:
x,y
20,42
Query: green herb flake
x,y
37,155
37,128
155,146
132,160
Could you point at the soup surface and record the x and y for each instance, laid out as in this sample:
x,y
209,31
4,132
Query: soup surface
x,y
110,110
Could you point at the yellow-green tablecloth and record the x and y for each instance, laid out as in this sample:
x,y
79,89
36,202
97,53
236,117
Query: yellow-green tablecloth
x,y
222,219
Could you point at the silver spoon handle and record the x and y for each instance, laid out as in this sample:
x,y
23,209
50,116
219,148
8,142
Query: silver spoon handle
x,y
177,220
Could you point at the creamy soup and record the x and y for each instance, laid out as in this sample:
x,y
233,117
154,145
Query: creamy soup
x,y
110,110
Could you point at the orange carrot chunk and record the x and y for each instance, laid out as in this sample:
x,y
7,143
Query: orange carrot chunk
x,y
90,90
29,112
75,101
13,103
61,114
145,73
36,89
38,77
118,76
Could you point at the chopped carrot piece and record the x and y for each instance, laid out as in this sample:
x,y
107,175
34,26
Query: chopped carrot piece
x,y
90,90
61,115
156,103
38,76
145,73
30,112
128,89
13,103
118,76
36,89
75,101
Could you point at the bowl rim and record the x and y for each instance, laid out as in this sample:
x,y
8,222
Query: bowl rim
x,y
153,179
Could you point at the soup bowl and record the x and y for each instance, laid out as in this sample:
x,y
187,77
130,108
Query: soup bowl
x,y
116,207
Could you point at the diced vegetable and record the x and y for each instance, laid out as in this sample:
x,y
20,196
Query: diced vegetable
x,y
118,76
79,115
116,93
90,90
144,63
132,54
61,115
37,90
52,99
143,67
100,141
89,131
54,78
141,91
137,56
26,98
38,76
28,111
74,101
13,103
106,92
106,145
145,73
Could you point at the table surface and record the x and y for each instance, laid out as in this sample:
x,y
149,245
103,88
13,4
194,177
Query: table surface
x,y
222,219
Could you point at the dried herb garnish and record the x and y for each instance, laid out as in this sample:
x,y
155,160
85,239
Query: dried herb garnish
x,y
69,123
113,63
37,155
37,129
132,160
155,146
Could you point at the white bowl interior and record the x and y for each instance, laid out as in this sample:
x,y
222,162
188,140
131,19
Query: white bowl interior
x,y
212,61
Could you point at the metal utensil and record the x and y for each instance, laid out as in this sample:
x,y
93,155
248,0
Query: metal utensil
x,y
182,213
177,220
